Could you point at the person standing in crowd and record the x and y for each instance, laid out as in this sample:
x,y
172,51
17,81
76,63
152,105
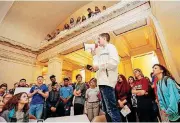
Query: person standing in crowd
x,y
90,13
16,109
104,7
38,93
66,93
7,97
144,101
83,18
168,93
131,82
152,95
97,10
123,96
79,93
11,91
53,82
66,26
3,89
22,83
92,100
161,117
72,23
107,73
78,21
1,105
52,101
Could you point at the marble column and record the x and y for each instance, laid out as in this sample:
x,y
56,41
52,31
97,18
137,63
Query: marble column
x,y
55,68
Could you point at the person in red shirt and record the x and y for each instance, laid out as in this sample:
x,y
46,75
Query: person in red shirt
x,y
144,101
123,96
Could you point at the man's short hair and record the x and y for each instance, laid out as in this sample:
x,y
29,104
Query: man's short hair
x,y
88,9
105,35
3,85
54,83
52,76
78,76
40,77
22,80
66,79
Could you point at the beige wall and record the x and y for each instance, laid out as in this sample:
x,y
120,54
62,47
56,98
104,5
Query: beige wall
x,y
145,62
167,15
12,72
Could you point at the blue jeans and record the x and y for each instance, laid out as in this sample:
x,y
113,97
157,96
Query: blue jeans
x,y
36,110
109,103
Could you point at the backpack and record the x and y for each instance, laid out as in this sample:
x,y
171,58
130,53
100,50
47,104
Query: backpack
x,y
177,84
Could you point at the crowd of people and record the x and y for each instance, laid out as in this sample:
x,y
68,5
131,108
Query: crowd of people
x,y
147,100
74,22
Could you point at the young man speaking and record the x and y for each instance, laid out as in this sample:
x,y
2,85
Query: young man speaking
x,y
107,60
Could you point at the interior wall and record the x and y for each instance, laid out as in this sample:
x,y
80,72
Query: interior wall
x,y
167,15
145,62
12,72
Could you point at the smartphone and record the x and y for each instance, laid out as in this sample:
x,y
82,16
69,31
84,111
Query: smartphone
x,y
89,67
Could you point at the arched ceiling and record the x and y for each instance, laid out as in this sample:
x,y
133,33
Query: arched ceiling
x,y
28,22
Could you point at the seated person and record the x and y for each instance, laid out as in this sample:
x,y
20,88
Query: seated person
x,y
7,97
52,101
90,13
97,10
66,26
72,23
66,93
83,18
3,89
104,7
17,108
78,21
48,37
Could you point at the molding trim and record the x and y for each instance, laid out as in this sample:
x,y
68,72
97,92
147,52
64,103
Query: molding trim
x,y
10,53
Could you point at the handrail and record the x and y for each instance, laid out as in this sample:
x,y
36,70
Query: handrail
x,y
113,11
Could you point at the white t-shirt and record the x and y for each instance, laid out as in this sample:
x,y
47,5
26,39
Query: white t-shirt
x,y
92,94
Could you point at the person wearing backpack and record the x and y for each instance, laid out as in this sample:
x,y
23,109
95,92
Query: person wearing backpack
x,y
168,93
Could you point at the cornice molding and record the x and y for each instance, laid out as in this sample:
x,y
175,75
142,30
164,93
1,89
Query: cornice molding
x,y
139,13
17,45
10,53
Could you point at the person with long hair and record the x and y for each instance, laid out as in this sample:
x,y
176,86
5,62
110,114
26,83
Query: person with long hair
x,y
16,109
131,82
168,93
92,99
144,101
123,96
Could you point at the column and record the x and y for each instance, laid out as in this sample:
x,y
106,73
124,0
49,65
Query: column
x,y
55,68
127,64
38,68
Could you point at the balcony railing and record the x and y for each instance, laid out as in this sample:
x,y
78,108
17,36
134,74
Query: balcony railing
x,y
110,13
